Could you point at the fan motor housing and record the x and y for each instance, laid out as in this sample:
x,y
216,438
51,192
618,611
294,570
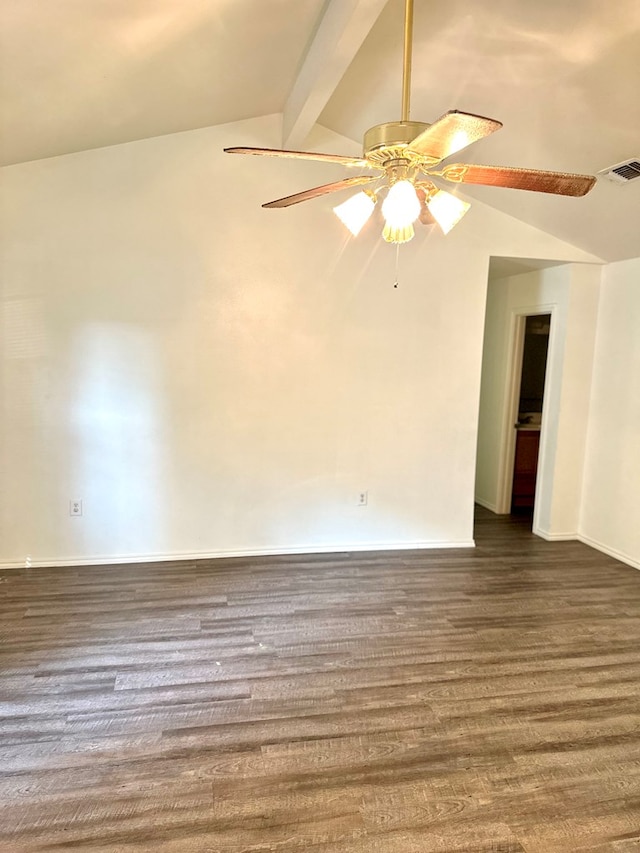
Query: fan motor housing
x,y
391,135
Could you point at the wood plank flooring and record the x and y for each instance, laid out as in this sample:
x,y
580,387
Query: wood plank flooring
x,y
482,700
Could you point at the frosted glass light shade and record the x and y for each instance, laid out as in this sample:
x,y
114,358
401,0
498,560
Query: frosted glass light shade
x,y
446,209
398,235
355,211
401,207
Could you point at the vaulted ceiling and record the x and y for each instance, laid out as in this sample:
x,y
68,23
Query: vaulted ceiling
x,y
563,76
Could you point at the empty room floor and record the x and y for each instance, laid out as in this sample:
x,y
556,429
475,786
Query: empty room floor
x,y
481,700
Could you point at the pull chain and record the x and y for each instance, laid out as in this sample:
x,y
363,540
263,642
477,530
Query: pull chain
x,y
395,284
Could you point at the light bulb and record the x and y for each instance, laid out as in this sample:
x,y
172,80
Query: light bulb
x,y
446,209
401,207
355,211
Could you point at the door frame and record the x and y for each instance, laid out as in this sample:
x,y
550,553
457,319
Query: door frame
x,y
515,351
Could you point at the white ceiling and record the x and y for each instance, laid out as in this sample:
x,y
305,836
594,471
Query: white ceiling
x,y
507,267
563,76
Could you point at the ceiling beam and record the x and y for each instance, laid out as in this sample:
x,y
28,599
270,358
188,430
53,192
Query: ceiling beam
x,y
340,32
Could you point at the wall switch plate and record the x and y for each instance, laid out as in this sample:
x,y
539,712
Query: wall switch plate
x,y
363,498
75,508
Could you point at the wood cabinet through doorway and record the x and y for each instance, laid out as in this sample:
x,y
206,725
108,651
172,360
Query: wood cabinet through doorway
x,y
525,468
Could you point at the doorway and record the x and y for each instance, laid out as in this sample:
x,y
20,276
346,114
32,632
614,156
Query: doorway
x,y
534,333
519,399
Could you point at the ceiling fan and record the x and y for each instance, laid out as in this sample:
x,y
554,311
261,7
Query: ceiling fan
x,y
406,154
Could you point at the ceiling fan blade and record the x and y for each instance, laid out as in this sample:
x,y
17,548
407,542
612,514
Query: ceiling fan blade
x,y
302,155
425,216
560,183
451,133
318,191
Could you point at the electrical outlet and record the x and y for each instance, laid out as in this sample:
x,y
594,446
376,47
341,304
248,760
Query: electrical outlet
x,y
75,508
363,498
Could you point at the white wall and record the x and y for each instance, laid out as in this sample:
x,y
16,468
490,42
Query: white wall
x,y
562,517
570,292
492,416
611,501
210,377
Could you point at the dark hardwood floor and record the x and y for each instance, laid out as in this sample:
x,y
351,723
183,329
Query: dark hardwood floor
x,y
408,702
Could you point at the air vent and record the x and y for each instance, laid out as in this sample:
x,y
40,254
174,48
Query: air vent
x,y
622,173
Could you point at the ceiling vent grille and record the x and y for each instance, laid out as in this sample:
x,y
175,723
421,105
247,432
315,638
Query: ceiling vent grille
x,y
624,172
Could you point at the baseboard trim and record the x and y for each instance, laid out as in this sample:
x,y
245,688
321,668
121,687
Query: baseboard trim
x,y
302,550
592,543
487,505
555,537
611,552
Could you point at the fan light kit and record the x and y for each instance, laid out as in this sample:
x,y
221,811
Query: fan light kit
x,y
408,154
